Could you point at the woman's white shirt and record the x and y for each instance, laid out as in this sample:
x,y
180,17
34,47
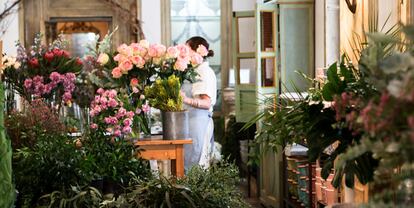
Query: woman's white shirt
x,y
206,83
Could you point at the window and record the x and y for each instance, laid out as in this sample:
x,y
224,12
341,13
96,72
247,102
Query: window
x,y
199,18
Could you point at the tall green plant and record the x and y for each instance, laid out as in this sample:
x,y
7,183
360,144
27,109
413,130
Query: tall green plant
x,y
7,192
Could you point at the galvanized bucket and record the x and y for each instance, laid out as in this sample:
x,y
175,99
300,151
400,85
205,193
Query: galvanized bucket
x,y
175,125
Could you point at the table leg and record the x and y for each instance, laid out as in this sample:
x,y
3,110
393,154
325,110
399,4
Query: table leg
x,y
174,167
179,162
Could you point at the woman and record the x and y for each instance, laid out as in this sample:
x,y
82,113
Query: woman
x,y
199,98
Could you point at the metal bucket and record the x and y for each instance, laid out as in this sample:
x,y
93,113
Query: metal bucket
x,y
175,125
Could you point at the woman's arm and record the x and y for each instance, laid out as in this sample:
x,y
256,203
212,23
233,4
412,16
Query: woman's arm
x,y
203,101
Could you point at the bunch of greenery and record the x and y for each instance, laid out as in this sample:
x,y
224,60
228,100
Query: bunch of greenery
x,y
164,94
212,187
111,160
52,163
365,115
7,193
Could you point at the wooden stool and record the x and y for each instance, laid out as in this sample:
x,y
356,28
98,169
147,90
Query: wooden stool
x,y
158,149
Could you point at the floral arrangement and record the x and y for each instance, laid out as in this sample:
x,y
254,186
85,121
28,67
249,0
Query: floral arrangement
x,y
164,94
43,72
131,68
111,114
141,58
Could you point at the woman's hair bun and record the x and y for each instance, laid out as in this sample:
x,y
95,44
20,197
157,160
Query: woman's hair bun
x,y
210,53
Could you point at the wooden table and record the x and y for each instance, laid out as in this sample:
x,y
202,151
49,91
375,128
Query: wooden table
x,y
158,149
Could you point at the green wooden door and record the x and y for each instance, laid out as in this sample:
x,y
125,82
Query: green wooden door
x,y
267,86
244,64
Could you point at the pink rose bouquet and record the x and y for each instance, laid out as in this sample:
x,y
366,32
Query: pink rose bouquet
x,y
143,60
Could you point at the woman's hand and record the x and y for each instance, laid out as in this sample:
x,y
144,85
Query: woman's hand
x,y
185,98
203,101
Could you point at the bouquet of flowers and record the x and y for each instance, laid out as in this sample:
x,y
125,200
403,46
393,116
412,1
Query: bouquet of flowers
x,y
109,111
43,72
164,94
142,60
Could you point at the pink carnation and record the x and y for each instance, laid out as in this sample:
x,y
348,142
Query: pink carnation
x,y
117,133
146,108
127,122
121,112
112,103
55,77
112,93
94,126
28,83
130,114
100,91
127,130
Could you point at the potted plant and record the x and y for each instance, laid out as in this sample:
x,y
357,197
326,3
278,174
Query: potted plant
x,y
164,94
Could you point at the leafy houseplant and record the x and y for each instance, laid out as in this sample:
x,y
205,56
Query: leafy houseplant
x,y
164,94
6,187
209,188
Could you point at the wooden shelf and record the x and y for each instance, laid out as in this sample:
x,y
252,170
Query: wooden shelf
x,y
288,201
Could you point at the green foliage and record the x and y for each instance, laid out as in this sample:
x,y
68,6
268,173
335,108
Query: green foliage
x,y
57,162
76,197
110,159
51,164
6,186
164,94
212,187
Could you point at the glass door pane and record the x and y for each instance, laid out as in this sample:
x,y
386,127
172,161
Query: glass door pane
x,y
247,73
267,36
268,72
246,37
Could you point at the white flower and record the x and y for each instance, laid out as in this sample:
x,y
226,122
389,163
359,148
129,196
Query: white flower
x,y
17,65
8,61
103,58
394,87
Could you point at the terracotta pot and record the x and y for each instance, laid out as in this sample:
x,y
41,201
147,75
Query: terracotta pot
x,y
331,196
318,189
